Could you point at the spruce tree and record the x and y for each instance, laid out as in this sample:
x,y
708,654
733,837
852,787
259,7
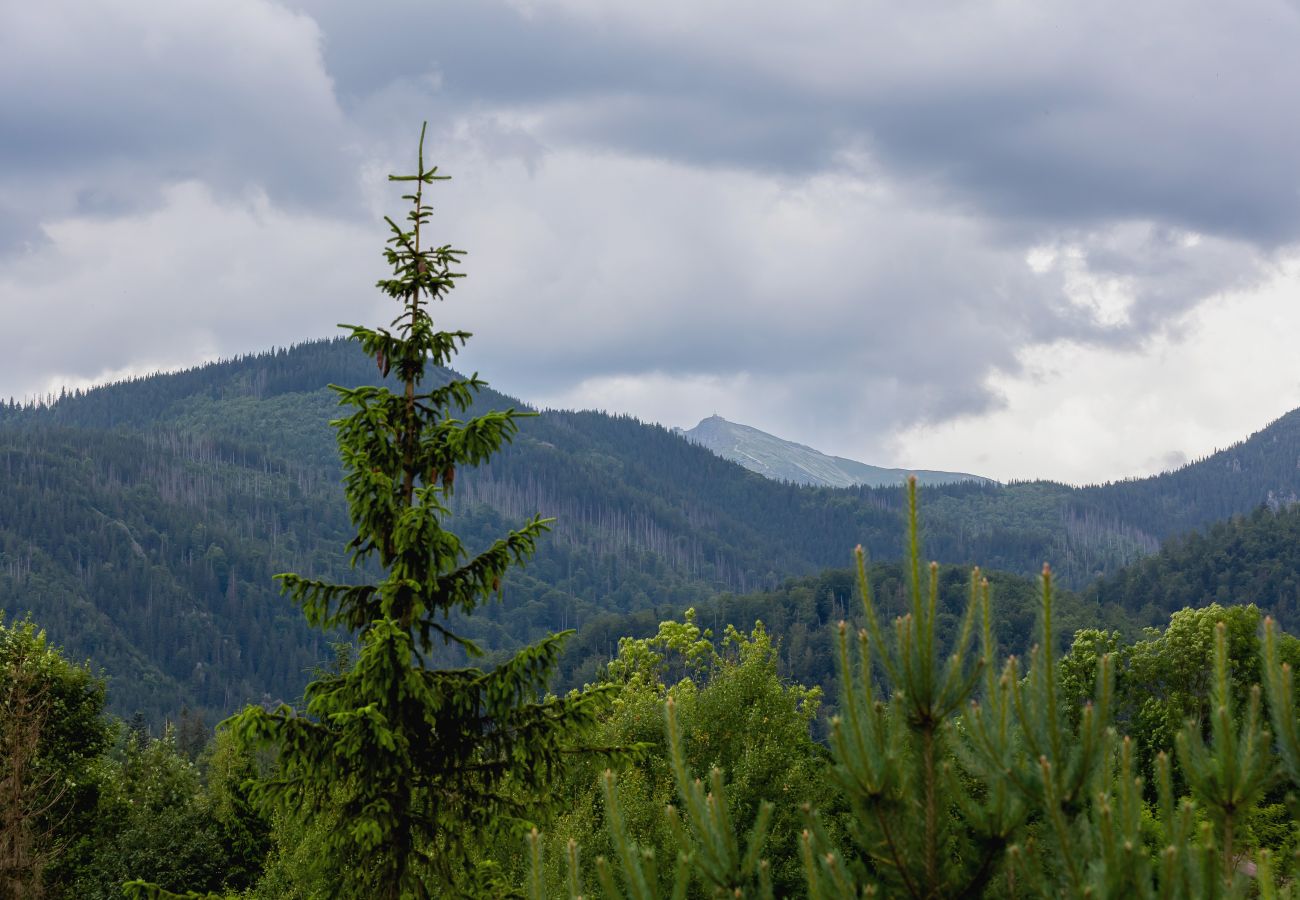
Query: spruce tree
x,y
421,764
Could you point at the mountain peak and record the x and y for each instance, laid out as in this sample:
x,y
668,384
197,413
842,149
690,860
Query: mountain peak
x,y
783,460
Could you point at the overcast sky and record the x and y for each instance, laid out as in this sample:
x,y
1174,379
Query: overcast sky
x,y
1031,239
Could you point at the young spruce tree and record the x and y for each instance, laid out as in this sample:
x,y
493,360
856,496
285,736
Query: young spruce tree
x,y
421,764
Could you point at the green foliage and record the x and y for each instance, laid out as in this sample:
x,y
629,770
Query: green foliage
x,y
108,539
152,822
1077,670
950,774
732,714
420,764
1279,683
51,733
1169,678
918,829
805,612
1249,558
708,854
244,832
1050,788
143,890
1229,775
1279,687
77,820
1022,787
707,838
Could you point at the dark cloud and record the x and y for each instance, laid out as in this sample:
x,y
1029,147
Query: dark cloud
x,y
102,106
1066,114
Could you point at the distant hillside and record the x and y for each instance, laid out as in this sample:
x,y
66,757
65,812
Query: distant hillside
x,y
804,614
784,460
1253,558
141,522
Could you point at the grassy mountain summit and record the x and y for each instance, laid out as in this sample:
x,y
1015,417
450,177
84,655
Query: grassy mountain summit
x,y
783,460
141,522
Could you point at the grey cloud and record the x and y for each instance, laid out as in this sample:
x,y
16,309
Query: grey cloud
x,y
1064,115
102,106
836,199
1170,272
879,305
1064,123
1064,120
195,278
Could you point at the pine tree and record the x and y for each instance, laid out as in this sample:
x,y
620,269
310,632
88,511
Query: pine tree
x,y
709,853
1279,686
1023,736
919,826
1228,774
1005,789
420,764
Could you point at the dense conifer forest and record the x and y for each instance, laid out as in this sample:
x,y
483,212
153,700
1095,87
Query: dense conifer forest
x,y
141,523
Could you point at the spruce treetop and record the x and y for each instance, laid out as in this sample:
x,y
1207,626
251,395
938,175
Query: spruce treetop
x,y
417,764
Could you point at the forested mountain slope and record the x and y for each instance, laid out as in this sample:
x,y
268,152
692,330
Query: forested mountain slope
x,y
1253,558
803,615
141,522
1263,470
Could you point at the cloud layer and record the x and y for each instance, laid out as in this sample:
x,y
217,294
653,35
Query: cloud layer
x,y
864,226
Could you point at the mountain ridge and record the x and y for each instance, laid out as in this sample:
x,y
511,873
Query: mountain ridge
x,y
785,460
141,523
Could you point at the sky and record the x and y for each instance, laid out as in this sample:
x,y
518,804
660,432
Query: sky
x,y
1020,239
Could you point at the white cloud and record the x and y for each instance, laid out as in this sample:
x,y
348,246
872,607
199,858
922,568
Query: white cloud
x,y
837,282
1087,414
193,279
674,400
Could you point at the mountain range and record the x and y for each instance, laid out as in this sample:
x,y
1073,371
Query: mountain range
x,y
141,523
784,460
